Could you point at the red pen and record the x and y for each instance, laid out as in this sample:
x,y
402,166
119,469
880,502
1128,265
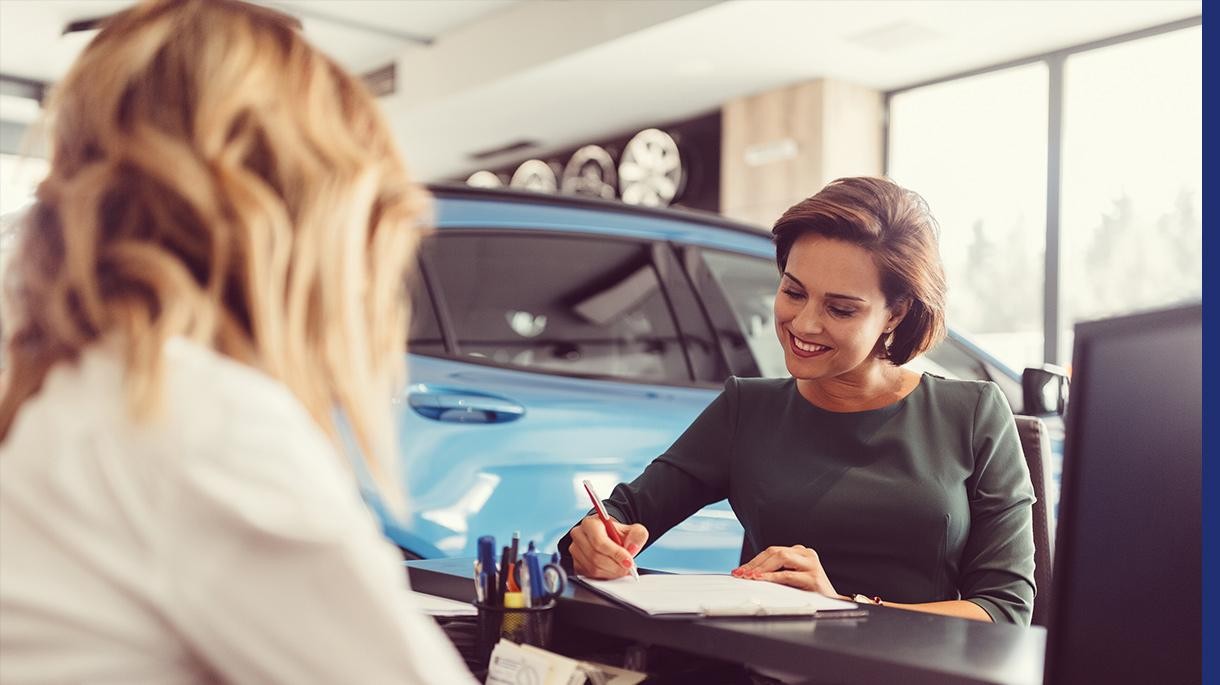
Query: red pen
x,y
610,529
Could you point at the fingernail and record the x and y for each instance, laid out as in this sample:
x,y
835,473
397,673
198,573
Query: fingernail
x,y
633,548
736,572
626,563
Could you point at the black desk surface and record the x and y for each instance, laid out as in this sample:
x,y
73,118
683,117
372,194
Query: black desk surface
x,y
891,645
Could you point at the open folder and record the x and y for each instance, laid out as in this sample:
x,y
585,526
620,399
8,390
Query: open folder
x,y
717,595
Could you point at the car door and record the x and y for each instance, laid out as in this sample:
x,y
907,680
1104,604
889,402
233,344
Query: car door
x,y
540,359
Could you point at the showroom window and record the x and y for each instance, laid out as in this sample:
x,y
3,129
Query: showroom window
x,y
1132,209
1093,154
19,178
975,148
572,305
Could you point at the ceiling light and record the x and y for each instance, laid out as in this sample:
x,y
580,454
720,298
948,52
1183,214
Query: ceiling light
x,y
894,37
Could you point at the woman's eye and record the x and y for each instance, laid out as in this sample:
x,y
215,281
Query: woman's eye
x,y
841,312
794,294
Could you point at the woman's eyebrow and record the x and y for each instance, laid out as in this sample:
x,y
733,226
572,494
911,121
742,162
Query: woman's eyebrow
x,y
837,296
840,296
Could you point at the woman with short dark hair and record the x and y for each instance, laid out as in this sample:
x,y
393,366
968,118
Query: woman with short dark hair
x,y
856,476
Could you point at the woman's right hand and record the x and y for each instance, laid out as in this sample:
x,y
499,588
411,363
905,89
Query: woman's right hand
x,y
595,555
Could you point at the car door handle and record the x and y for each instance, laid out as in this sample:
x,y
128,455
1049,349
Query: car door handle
x,y
463,407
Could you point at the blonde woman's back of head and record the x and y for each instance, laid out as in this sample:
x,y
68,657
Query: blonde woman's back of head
x,y
213,176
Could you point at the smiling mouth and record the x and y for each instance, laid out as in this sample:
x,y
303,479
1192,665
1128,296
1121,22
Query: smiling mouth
x,y
805,347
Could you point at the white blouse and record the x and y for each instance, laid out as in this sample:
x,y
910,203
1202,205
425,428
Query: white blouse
x,y
224,540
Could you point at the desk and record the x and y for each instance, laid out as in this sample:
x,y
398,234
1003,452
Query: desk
x,y
891,645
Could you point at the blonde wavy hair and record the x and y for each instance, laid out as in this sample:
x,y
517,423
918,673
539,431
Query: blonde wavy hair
x,y
213,176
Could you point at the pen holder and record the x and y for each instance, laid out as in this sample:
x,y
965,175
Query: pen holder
x,y
525,626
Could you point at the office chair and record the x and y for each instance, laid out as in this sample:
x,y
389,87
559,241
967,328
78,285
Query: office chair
x,y
1036,444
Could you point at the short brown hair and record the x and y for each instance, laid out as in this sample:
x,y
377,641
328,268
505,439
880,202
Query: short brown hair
x,y
895,225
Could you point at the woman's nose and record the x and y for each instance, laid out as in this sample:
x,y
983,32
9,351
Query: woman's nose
x,y
808,320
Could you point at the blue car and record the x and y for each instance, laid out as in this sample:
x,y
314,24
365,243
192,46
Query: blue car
x,y
557,339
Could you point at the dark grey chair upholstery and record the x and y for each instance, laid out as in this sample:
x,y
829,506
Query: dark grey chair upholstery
x,y
1036,444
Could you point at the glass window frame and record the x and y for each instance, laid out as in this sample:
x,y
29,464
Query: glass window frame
x,y
1053,314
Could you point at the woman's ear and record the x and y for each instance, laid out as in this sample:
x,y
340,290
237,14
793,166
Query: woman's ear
x,y
897,313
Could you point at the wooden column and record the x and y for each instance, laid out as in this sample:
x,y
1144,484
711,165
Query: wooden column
x,y
782,146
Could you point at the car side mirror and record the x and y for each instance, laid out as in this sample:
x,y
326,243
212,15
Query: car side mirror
x,y
1044,390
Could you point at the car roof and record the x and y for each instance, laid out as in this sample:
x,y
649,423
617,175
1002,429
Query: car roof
x,y
464,206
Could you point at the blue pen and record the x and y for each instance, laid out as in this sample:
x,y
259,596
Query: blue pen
x,y
535,576
487,564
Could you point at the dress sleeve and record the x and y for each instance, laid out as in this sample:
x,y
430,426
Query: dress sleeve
x,y
691,474
278,572
997,568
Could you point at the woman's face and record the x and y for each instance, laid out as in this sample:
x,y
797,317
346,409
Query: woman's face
x,y
830,311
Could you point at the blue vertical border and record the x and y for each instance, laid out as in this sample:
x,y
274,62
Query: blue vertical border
x,y
1211,458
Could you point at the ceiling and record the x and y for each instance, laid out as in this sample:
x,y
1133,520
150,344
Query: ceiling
x,y
31,44
560,73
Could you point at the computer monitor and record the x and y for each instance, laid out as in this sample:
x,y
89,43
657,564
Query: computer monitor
x,y
1128,563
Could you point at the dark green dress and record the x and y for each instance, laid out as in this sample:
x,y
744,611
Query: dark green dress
x,y
926,499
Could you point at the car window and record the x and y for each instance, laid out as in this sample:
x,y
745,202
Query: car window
x,y
748,285
953,362
569,304
925,364
424,336
950,360
707,362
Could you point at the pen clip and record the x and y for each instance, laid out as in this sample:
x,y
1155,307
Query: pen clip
x,y
486,573
480,589
597,501
504,574
526,589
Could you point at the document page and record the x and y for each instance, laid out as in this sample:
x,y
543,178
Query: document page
x,y
440,606
714,595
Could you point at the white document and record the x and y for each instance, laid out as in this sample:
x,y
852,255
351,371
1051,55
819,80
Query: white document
x,y
715,595
514,664
442,606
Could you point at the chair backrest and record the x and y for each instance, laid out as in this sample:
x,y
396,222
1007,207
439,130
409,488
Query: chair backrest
x,y
1036,444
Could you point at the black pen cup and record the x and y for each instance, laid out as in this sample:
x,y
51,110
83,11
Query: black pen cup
x,y
525,626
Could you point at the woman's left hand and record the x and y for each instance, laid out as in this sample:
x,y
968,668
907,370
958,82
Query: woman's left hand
x,y
797,566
